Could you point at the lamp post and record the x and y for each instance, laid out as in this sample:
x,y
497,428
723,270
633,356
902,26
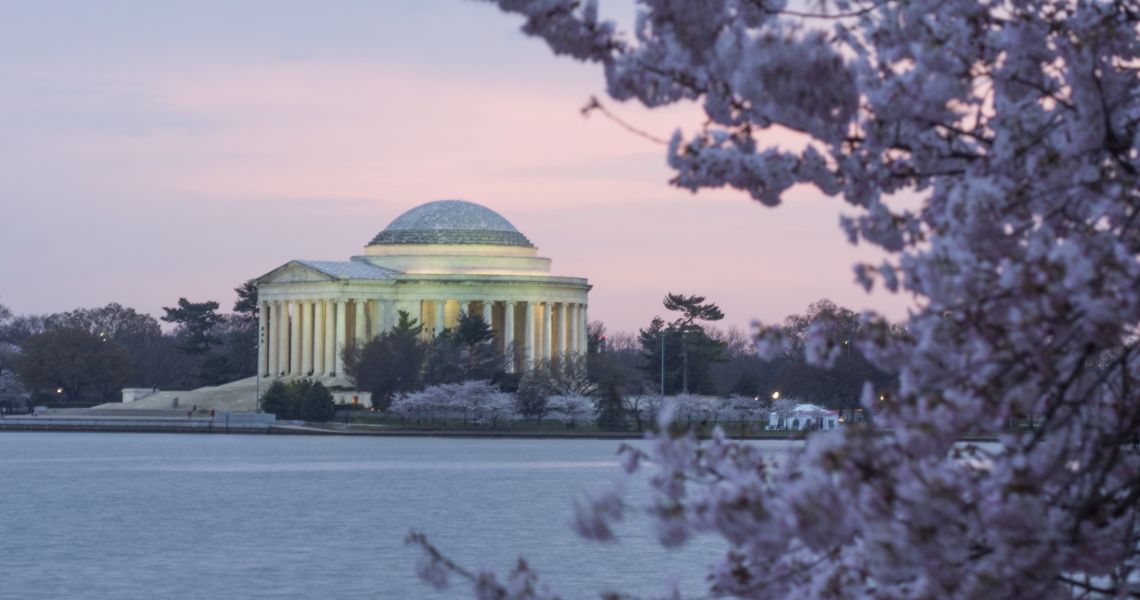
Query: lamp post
x,y
662,364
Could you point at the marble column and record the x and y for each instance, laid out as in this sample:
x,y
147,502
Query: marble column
x,y
306,337
262,349
282,337
294,337
271,336
341,336
359,333
579,342
439,316
319,338
375,319
528,335
568,333
509,334
488,316
583,332
565,329
330,338
546,329
388,315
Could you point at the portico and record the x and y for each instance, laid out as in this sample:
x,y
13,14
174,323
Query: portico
x,y
435,262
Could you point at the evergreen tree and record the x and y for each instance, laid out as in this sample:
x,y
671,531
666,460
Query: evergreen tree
x,y
317,404
464,353
611,411
196,322
697,348
689,350
391,363
654,339
472,330
275,400
246,305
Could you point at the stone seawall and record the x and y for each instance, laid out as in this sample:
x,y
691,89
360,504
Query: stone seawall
x,y
221,423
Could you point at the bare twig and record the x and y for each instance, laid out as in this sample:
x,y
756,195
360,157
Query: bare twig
x,y
594,104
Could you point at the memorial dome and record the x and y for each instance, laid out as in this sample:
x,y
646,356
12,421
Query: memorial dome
x,y
448,222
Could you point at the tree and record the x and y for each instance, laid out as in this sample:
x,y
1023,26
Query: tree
x,y
13,395
472,330
614,360
689,350
595,337
74,361
390,364
152,362
317,404
477,400
275,400
839,382
1015,124
22,327
466,352
571,408
225,346
692,337
297,400
246,305
535,390
610,411
196,322
235,357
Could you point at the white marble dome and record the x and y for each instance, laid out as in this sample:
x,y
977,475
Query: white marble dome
x,y
449,222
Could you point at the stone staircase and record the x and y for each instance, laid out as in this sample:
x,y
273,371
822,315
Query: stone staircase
x,y
236,396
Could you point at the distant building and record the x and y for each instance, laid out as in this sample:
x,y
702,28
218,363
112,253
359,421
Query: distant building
x,y
804,416
435,261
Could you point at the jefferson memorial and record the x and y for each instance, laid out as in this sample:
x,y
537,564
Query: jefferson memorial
x,y
435,261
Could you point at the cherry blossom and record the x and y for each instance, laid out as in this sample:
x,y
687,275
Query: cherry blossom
x,y
1015,123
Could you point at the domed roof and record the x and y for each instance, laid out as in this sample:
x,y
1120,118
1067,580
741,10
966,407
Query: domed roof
x,y
451,222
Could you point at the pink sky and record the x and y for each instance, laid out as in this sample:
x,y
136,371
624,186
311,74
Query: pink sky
x,y
142,170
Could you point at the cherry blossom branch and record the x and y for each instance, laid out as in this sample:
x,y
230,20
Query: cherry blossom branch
x,y
595,105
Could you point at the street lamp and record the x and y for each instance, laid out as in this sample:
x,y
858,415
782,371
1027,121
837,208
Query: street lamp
x,y
776,395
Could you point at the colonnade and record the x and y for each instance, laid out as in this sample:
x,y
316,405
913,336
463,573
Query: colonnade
x,y
305,336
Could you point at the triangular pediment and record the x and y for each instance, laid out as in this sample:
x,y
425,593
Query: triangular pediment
x,y
293,272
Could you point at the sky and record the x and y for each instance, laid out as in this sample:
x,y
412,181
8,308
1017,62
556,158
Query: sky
x,y
157,150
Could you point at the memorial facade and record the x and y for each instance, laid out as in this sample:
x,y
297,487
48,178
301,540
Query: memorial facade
x,y
435,261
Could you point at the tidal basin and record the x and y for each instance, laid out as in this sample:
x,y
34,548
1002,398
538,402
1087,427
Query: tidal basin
x,y
100,515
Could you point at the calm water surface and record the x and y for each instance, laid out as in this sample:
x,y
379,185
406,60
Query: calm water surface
x,y
214,516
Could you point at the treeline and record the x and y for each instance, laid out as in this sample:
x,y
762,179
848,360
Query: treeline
x,y
701,359
88,355
684,354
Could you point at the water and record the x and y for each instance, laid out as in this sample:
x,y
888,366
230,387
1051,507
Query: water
x,y
214,516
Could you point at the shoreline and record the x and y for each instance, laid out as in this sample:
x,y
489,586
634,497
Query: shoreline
x,y
54,425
